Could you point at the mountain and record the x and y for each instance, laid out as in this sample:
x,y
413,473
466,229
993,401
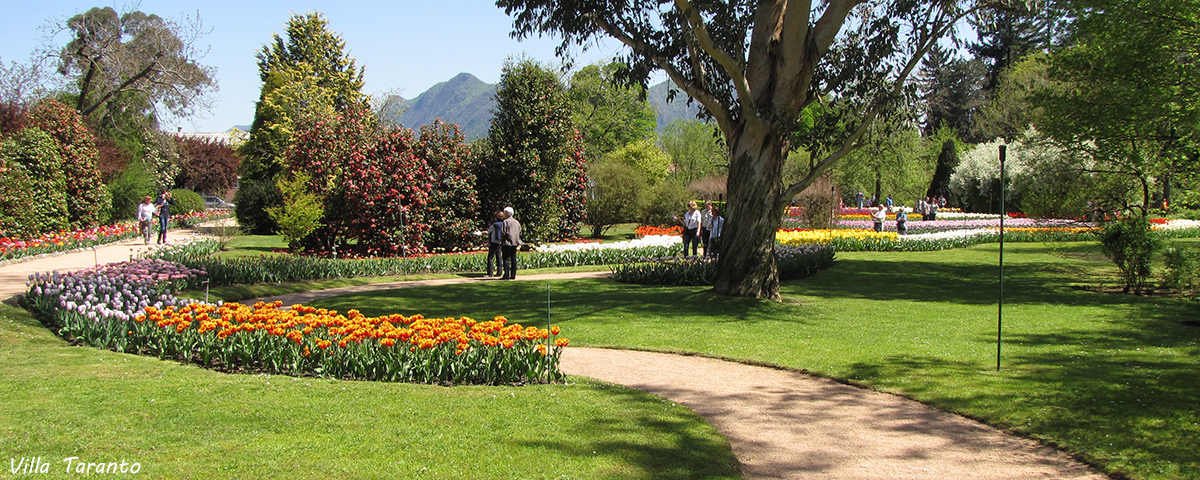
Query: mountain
x,y
464,100
673,110
468,101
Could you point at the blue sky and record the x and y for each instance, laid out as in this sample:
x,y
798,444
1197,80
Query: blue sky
x,y
408,45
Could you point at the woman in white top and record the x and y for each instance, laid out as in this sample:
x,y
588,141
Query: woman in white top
x,y
879,215
147,210
691,228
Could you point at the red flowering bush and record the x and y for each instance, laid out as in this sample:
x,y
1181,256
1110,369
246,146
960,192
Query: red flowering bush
x,y
385,189
87,200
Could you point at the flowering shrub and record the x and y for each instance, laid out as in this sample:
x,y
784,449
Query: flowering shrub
x,y
128,307
85,193
386,192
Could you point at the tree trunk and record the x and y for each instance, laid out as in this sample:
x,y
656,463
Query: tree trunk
x,y
746,267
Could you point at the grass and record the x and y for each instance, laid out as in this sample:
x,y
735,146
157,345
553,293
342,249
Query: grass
x,y
184,422
1110,378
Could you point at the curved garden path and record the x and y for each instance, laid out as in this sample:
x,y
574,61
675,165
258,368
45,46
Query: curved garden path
x,y
780,424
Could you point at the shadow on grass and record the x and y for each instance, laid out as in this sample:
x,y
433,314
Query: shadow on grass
x,y
1124,392
688,456
964,283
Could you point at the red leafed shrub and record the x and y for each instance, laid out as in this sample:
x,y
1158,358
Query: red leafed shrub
x,y
208,166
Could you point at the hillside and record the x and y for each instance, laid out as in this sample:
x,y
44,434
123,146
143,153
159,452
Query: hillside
x,y
468,101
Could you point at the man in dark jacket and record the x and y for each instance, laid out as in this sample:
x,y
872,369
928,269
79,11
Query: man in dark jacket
x,y
510,239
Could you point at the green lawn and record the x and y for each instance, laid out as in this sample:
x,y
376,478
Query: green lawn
x,y
1112,378
178,421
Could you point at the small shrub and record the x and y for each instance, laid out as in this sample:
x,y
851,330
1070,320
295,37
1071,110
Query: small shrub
x,y
186,201
127,191
1131,244
1183,270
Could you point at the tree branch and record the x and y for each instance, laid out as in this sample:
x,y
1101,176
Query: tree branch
x,y
940,29
732,67
710,102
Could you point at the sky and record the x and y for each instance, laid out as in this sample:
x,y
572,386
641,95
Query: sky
x,y
405,45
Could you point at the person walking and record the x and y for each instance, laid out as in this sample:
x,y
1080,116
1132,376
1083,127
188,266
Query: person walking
x,y
163,203
495,237
889,202
145,216
860,199
510,239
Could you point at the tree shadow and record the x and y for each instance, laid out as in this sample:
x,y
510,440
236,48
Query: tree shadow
x,y
687,456
1126,395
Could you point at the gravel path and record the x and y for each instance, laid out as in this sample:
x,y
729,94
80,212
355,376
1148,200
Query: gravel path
x,y
780,424
786,425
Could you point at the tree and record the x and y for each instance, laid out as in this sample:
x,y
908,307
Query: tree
x,y
534,161
892,160
134,54
754,67
952,90
696,149
1006,36
616,195
609,115
645,157
306,77
1130,99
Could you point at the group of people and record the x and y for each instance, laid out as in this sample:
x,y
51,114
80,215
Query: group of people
x,y
150,209
929,206
504,236
702,227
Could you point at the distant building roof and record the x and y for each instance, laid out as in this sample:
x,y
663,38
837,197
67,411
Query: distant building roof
x,y
231,137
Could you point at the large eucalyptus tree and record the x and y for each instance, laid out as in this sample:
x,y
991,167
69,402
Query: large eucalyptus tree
x,y
754,66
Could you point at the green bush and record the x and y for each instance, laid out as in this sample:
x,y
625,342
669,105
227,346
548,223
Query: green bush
x,y
1183,270
36,153
1131,244
186,201
15,185
253,198
664,200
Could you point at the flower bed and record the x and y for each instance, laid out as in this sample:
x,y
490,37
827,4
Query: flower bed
x,y
128,307
13,248
793,262
647,230
644,241
292,268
